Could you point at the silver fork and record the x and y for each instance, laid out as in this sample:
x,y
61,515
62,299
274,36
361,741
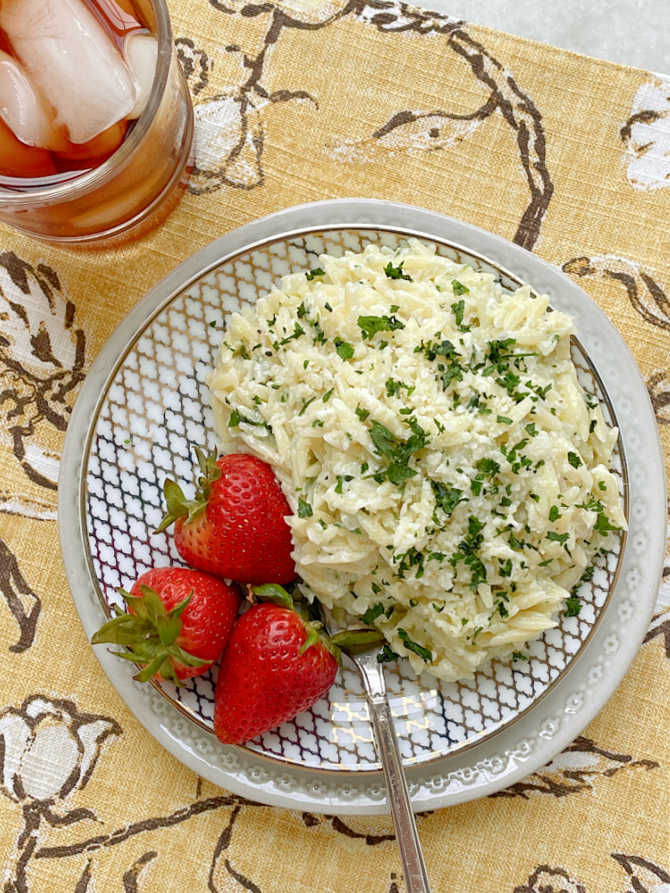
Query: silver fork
x,y
386,742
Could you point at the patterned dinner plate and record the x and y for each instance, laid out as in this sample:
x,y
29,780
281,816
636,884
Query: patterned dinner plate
x,y
144,406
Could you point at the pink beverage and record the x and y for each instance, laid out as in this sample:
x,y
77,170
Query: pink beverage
x,y
95,118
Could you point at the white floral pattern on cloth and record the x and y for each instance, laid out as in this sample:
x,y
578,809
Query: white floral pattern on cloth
x,y
230,128
49,748
48,751
42,355
643,875
646,136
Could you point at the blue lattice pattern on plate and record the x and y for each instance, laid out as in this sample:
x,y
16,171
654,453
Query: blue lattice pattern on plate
x,y
157,407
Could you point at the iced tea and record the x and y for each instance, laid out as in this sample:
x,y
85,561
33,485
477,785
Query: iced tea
x,y
95,120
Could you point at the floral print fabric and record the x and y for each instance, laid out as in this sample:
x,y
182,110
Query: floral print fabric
x,y
565,155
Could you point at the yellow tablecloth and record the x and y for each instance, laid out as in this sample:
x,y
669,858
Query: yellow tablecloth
x,y
568,156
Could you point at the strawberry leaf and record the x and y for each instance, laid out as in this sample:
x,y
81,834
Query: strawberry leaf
x,y
149,635
311,638
189,660
178,609
178,506
168,629
275,593
150,669
152,604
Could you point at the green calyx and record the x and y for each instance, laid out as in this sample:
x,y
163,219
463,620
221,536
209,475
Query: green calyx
x,y
178,506
149,635
351,641
275,593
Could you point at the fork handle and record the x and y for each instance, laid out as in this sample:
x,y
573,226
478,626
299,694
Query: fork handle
x,y
397,794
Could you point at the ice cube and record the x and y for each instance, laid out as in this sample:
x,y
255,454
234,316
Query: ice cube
x,y
72,62
21,107
120,15
141,52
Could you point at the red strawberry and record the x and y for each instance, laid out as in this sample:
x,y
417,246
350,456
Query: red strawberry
x,y
177,624
275,665
235,526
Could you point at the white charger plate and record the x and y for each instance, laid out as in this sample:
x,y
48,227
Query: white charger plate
x,y
144,404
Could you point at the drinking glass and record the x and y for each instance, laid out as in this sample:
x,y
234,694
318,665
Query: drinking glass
x,y
132,190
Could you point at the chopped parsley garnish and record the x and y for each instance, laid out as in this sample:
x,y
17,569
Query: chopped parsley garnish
x,y
398,452
386,655
344,349
312,274
372,613
561,538
591,505
396,272
572,606
370,325
236,417
449,365
458,309
326,397
532,430
340,480
603,524
574,460
394,386
541,392
554,513
486,469
446,498
407,560
362,413
588,574
505,568
602,485
519,655
305,404
297,332
410,645
510,382
459,288
304,509
467,552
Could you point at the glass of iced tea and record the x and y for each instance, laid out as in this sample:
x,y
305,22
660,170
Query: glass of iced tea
x,y
96,122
